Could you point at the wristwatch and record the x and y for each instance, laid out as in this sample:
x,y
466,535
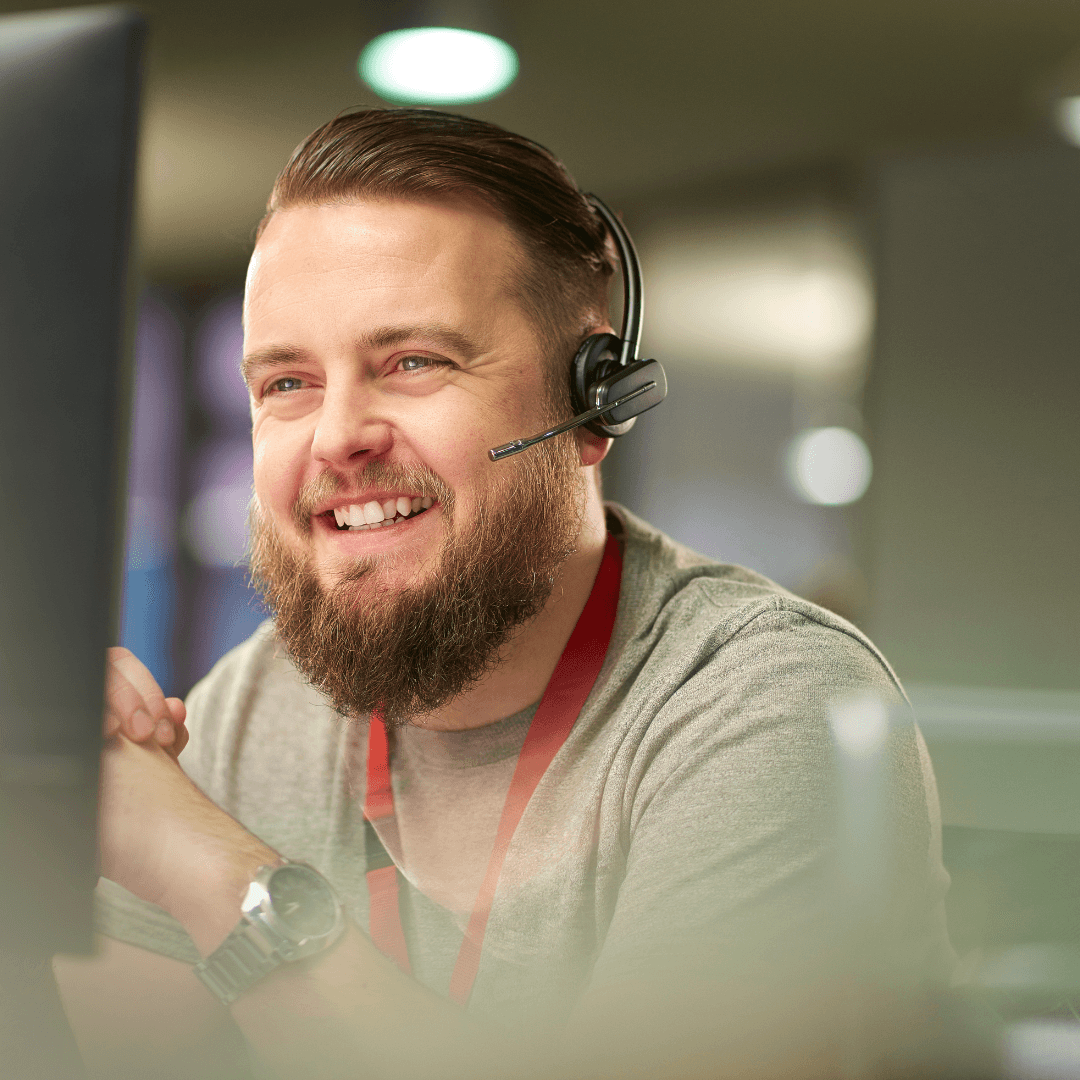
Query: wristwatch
x,y
289,912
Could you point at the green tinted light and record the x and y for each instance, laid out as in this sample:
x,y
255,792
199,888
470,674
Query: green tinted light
x,y
435,65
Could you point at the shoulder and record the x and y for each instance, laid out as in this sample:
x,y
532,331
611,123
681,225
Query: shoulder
x,y
254,672
244,665
721,688
682,616
251,707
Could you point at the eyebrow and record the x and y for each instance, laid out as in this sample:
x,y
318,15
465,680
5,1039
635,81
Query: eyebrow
x,y
270,357
384,337
443,337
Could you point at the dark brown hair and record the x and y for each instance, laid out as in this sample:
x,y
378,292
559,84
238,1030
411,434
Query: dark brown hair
x,y
424,154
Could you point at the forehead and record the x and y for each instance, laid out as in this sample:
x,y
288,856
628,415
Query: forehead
x,y
381,261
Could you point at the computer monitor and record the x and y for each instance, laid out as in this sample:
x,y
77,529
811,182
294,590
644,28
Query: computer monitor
x,y
69,89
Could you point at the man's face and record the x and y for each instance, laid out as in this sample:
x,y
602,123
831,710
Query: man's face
x,y
384,331
386,354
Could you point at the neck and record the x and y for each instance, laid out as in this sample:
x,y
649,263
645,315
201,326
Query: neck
x,y
529,660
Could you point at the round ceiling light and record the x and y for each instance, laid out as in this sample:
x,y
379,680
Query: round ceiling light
x,y
435,65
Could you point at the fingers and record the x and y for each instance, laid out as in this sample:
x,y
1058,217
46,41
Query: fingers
x,y
136,706
178,711
127,664
126,709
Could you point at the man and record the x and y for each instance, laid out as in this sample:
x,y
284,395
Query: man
x,y
660,896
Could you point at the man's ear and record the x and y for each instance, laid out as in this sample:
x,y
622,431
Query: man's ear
x,y
592,448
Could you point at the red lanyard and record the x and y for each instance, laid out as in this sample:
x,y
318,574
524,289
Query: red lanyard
x,y
570,684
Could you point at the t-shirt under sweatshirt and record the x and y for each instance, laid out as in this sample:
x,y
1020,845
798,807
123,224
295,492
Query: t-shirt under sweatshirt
x,y
690,811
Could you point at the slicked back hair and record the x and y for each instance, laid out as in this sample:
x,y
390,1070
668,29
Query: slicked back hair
x,y
422,154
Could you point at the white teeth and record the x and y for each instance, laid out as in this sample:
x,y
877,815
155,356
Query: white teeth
x,y
375,515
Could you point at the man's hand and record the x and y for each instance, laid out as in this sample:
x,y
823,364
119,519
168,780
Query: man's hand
x,y
161,837
136,707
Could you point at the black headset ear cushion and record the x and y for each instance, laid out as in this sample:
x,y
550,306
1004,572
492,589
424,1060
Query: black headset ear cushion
x,y
593,358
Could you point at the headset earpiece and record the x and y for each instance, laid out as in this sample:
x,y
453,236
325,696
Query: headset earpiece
x,y
597,358
598,377
643,379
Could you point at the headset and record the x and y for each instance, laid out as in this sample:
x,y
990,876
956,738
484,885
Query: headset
x,y
609,386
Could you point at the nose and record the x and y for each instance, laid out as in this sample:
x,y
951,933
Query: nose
x,y
350,429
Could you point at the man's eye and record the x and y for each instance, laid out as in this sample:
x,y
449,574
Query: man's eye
x,y
284,385
419,363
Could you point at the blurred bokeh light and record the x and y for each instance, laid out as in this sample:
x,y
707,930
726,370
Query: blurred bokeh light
x,y
829,466
225,608
778,294
215,518
435,65
1067,116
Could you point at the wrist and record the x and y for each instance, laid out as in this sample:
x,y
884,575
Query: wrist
x,y
205,896
289,913
164,840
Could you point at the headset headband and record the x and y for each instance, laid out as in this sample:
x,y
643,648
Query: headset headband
x,y
631,278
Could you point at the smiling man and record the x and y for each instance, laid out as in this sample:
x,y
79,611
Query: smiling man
x,y
511,785
381,527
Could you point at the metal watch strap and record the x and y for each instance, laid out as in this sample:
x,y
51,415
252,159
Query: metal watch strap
x,y
243,958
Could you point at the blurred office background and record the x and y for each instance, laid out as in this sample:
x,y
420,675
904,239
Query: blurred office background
x,y
858,223
860,226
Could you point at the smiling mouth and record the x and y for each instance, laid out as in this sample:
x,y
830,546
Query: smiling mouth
x,y
378,515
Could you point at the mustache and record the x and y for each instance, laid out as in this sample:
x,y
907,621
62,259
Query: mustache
x,y
417,479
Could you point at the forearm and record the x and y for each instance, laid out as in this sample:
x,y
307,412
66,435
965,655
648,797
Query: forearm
x,y
347,1013
352,1013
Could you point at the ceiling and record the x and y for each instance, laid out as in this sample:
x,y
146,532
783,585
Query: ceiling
x,y
637,97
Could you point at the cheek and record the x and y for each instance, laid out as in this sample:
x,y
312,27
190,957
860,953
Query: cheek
x,y
450,435
278,470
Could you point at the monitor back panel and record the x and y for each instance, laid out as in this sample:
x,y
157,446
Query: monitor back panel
x,y
68,117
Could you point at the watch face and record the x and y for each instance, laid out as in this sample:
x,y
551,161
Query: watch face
x,y
302,901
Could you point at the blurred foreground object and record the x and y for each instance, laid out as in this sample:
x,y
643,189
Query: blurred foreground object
x,y
69,86
890,1024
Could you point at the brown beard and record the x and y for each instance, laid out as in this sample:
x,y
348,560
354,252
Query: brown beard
x,y
407,651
